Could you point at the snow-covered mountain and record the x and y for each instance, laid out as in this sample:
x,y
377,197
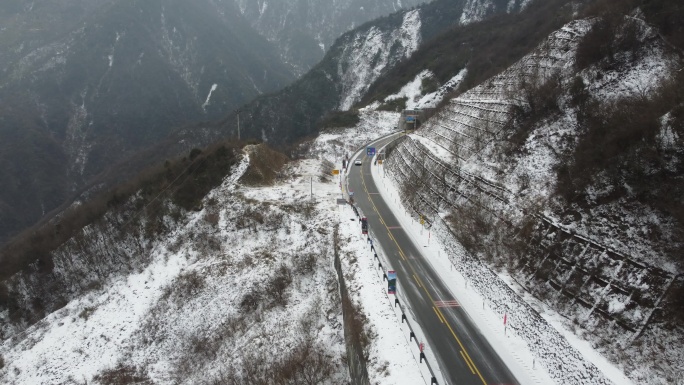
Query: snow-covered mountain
x,y
367,53
354,62
241,289
303,30
548,162
88,84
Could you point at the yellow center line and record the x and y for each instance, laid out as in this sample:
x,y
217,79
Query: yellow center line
x,y
467,362
443,319
417,280
439,318
464,350
470,362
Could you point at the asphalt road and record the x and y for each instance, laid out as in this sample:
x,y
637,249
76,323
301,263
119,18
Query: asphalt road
x,y
465,357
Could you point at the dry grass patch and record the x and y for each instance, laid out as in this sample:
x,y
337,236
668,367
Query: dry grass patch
x,y
265,166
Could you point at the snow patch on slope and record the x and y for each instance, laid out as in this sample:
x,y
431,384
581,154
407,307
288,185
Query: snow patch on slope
x,y
431,100
370,52
477,10
211,91
93,332
413,92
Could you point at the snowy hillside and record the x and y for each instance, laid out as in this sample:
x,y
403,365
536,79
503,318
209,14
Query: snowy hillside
x,y
551,195
303,31
478,10
367,53
370,51
491,157
242,291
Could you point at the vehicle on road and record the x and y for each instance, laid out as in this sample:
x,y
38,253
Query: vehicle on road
x,y
357,162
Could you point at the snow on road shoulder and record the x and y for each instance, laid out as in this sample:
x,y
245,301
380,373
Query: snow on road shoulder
x,y
393,358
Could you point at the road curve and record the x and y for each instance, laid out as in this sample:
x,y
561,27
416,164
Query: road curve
x,y
464,355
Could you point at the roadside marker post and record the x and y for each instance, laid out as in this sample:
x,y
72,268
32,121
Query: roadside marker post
x,y
505,323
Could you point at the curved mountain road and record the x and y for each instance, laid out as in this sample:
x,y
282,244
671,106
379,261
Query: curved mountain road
x,y
463,353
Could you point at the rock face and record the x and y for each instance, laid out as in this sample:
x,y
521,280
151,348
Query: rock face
x,y
303,30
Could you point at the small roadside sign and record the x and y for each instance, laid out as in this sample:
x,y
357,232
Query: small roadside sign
x,y
341,201
379,161
391,282
336,172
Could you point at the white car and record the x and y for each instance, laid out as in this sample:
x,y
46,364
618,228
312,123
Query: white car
x,y
357,162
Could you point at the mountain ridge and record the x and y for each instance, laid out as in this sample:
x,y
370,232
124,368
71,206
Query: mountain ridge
x,y
118,78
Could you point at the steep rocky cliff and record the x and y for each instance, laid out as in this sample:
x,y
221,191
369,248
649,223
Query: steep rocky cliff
x,y
303,30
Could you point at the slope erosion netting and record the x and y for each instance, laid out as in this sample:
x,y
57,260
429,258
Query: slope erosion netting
x,y
468,123
597,283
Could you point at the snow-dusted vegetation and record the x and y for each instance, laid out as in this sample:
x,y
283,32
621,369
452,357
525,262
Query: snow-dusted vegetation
x,y
552,191
242,290
491,170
